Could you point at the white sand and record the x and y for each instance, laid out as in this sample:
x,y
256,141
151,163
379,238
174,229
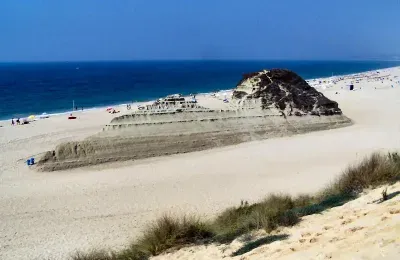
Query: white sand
x,y
361,229
52,214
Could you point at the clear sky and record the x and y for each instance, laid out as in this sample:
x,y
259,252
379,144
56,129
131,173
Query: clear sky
x,y
47,30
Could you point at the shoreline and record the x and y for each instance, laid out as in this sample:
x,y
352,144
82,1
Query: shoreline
x,y
3,122
49,215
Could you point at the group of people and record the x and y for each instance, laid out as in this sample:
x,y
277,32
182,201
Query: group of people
x,y
16,122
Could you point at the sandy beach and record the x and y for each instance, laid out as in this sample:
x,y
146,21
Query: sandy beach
x,y
52,214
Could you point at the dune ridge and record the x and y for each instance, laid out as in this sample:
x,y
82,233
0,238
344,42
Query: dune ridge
x,y
131,141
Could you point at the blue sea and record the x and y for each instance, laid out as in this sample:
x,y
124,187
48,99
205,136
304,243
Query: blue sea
x,y
34,88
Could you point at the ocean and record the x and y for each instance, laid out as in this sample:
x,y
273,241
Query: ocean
x,y
34,88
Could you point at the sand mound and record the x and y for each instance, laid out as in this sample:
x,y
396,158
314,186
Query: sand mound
x,y
137,140
283,90
278,103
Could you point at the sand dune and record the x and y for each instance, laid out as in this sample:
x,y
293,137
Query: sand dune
x,y
53,214
279,104
361,229
133,140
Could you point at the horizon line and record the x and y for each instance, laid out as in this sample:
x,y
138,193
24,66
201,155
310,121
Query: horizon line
x,y
194,60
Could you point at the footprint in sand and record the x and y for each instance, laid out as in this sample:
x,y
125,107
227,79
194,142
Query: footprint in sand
x,y
306,234
354,229
335,239
394,211
324,256
302,240
347,221
313,240
384,218
327,227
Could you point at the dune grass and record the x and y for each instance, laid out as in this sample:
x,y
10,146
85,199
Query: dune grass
x,y
168,232
274,211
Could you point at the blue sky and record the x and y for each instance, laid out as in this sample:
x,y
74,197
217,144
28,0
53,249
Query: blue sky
x,y
52,30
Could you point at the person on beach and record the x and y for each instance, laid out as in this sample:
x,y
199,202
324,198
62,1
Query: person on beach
x,y
12,121
18,122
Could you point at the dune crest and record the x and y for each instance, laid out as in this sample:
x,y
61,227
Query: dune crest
x,y
365,228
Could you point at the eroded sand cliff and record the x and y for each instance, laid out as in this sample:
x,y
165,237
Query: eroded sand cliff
x,y
272,103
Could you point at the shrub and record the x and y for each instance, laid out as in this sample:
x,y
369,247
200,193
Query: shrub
x,y
127,254
95,255
272,212
168,232
384,195
371,172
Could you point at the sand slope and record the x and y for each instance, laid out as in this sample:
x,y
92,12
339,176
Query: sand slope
x,y
361,229
177,133
52,214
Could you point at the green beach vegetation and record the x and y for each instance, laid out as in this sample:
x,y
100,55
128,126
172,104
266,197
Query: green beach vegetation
x,y
274,211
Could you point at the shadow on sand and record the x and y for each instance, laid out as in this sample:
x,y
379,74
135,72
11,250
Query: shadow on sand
x,y
259,242
389,196
327,203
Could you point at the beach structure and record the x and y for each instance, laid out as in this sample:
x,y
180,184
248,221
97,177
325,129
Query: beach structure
x,y
265,104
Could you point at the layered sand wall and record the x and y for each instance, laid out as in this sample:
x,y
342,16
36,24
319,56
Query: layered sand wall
x,y
142,135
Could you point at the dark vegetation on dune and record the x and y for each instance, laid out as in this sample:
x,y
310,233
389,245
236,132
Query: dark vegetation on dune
x,y
274,211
